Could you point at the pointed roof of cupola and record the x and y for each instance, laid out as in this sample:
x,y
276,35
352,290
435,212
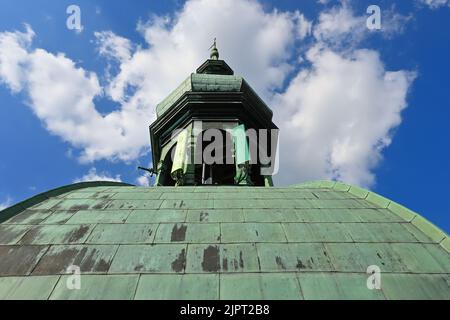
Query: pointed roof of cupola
x,y
213,76
213,65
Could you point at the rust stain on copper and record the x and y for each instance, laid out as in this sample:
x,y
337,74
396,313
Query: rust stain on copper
x,y
79,207
204,216
178,233
101,205
31,235
9,234
57,262
28,256
78,234
300,264
139,267
30,217
211,259
225,264
241,260
280,263
180,263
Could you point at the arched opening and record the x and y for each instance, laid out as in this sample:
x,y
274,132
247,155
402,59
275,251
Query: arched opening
x,y
255,175
165,178
223,170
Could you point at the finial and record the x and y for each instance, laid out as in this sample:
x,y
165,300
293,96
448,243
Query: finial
x,y
214,52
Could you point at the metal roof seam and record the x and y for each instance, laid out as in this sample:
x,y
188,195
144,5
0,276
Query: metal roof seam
x,y
54,287
426,232
10,212
377,199
137,286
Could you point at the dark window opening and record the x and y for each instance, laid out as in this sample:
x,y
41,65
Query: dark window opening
x,y
165,178
221,172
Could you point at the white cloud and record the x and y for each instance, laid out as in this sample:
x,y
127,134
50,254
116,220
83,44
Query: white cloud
x,y
143,180
6,203
394,23
338,116
62,95
113,46
13,54
339,112
435,4
304,26
340,28
92,175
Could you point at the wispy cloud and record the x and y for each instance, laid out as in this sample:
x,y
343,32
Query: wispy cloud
x,y
6,203
93,175
435,4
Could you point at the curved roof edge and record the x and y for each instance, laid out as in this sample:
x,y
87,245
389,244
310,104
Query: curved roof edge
x,y
21,206
428,228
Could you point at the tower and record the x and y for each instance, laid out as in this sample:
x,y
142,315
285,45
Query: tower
x,y
213,130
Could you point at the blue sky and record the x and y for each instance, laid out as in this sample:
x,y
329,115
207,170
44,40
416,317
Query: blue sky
x,y
366,107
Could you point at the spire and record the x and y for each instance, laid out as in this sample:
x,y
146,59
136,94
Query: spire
x,y
213,65
214,51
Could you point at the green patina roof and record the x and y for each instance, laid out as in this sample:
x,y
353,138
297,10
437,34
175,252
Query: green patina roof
x,y
312,241
201,83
